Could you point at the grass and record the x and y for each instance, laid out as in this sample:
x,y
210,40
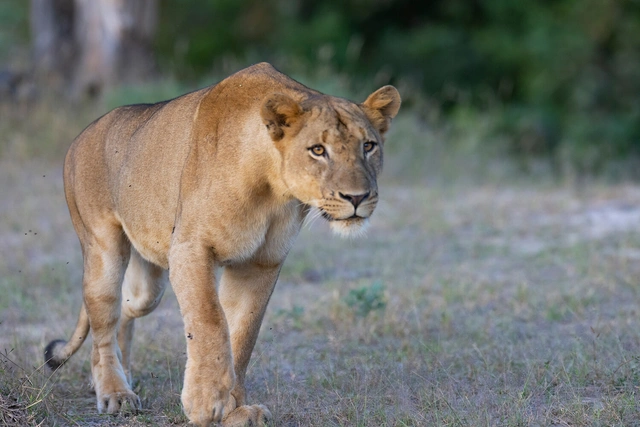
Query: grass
x,y
488,303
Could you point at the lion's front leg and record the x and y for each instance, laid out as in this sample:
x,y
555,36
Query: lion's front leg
x,y
245,290
209,376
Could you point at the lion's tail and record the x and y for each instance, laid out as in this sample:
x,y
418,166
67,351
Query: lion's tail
x,y
58,351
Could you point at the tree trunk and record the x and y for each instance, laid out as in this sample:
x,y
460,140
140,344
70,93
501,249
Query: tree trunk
x,y
52,32
93,44
114,39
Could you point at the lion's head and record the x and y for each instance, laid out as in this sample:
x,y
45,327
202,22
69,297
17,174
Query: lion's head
x,y
332,152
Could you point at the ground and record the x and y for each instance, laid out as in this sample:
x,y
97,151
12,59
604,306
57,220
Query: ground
x,y
497,305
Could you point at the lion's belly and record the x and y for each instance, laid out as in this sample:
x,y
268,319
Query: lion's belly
x,y
146,208
152,245
146,201
147,220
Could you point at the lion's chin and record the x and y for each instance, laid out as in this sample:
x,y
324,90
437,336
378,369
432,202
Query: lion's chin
x,y
350,228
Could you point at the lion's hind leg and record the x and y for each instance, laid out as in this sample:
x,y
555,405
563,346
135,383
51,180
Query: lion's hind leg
x,y
142,291
106,252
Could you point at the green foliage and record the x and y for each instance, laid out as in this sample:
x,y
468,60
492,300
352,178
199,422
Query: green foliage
x,y
557,79
13,28
144,93
294,315
366,299
554,79
561,75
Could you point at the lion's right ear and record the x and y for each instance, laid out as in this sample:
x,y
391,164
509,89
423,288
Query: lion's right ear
x,y
278,113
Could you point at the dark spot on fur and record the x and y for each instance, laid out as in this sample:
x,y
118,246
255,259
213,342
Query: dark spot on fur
x,y
190,336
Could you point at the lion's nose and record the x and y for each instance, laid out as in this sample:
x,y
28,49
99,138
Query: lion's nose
x,y
355,199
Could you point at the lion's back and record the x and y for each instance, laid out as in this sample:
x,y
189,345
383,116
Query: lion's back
x,y
130,162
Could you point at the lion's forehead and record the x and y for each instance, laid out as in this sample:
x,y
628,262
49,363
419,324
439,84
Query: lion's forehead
x,y
342,123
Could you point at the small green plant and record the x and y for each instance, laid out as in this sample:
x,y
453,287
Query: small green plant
x,y
366,299
295,315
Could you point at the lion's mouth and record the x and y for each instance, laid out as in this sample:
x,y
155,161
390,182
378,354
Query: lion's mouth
x,y
330,217
354,216
352,226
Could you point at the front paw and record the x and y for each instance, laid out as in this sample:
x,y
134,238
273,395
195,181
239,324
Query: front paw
x,y
247,415
118,401
204,398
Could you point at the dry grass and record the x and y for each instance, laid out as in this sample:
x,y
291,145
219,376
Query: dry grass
x,y
503,306
13,413
494,305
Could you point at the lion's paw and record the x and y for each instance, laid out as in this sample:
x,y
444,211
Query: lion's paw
x,y
202,405
112,391
121,401
247,415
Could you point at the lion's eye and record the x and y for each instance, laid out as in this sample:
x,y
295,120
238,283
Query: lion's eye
x,y
368,146
317,150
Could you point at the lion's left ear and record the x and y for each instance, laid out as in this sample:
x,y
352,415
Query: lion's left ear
x,y
381,107
278,113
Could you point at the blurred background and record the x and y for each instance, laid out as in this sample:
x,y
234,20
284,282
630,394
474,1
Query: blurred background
x,y
492,89
499,283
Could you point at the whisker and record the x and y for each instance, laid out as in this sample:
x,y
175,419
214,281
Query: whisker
x,y
307,219
312,213
309,223
313,218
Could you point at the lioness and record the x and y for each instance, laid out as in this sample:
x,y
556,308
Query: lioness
x,y
223,176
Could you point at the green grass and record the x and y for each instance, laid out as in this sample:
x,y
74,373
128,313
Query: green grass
x,y
487,303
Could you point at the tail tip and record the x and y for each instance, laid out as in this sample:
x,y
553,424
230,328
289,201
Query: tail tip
x,y
51,353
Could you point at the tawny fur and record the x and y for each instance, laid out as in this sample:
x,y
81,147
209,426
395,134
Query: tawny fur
x,y
223,176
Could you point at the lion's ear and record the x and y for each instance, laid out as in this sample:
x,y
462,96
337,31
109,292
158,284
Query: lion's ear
x,y
381,107
278,113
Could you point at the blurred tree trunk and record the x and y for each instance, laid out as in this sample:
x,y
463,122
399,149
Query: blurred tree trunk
x,y
93,44
52,35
